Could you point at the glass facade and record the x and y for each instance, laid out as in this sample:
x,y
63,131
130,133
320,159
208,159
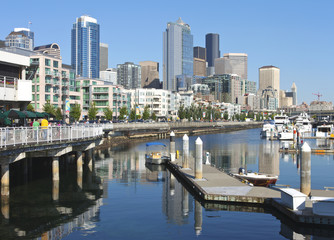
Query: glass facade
x,y
85,52
212,48
178,53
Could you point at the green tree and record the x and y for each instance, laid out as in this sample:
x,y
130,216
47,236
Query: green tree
x,y
237,116
49,108
92,111
250,115
108,113
123,112
30,108
242,116
133,114
75,112
58,114
153,116
146,113
181,112
226,115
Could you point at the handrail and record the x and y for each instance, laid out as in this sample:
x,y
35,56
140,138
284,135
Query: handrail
x,y
14,136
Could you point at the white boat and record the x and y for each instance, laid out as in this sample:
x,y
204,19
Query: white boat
x,y
280,121
303,123
324,130
156,153
286,133
256,179
268,129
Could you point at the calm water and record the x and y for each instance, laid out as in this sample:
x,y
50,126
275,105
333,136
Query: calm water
x,y
124,199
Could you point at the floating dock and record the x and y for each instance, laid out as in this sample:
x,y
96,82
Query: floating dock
x,y
217,186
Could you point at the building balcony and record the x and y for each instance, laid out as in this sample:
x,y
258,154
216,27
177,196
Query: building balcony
x,y
65,92
48,81
56,92
65,76
48,73
56,75
100,98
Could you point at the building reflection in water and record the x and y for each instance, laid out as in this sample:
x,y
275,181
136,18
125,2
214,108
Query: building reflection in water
x,y
231,157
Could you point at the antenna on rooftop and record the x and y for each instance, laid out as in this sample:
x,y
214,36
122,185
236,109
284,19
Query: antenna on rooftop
x,y
29,24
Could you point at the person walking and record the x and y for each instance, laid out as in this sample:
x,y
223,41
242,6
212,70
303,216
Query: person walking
x,y
44,125
35,126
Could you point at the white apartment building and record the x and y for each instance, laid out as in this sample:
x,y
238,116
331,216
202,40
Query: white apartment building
x,y
15,90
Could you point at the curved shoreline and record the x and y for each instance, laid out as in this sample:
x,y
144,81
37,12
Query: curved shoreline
x,y
135,137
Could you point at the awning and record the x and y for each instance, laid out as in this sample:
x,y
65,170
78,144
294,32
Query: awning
x,y
15,114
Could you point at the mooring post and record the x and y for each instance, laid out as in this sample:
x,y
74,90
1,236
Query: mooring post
x,y
198,218
172,146
185,162
199,159
305,171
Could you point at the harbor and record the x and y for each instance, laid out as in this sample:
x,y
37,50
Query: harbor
x,y
122,188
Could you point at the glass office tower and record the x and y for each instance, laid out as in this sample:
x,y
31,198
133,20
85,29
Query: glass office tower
x,y
85,55
212,51
178,53
21,38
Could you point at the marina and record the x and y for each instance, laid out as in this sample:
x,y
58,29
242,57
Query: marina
x,y
122,189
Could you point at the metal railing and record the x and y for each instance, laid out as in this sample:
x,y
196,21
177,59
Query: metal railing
x,y
14,136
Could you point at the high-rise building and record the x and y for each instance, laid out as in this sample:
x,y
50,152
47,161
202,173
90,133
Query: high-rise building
x,y
212,51
109,75
129,75
232,63
199,61
103,56
269,78
85,55
178,53
21,38
294,93
149,74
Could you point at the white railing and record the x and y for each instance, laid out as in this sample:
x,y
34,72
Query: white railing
x,y
14,136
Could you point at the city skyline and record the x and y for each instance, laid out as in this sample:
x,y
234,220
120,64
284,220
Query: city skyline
x,y
283,35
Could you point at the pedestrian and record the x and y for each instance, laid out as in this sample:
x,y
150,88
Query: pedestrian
x,y
35,126
44,125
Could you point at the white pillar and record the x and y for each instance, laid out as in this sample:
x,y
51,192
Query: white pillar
x,y
172,146
185,162
199,159
305,172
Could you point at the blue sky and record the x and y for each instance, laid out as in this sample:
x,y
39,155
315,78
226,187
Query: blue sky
x,y
295,35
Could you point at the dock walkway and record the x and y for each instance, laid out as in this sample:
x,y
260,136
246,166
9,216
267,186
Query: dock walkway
x,y
217,186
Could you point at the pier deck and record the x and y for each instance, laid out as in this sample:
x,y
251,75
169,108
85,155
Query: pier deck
x,y
217,186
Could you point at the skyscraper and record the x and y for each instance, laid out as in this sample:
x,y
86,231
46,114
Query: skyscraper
x,y
21,38
269,78
129,75
212,51
232,63
178,53
103,56
85,56
149,74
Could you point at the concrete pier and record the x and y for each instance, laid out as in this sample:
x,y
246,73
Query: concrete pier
x,y
55,168
185,151
79,161
199,159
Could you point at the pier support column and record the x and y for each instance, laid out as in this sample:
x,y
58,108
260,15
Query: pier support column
x,y
5,180
55,168
79,168
199,159
79,161
89,158
198,218
185,160
55,178
305,172
172,146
